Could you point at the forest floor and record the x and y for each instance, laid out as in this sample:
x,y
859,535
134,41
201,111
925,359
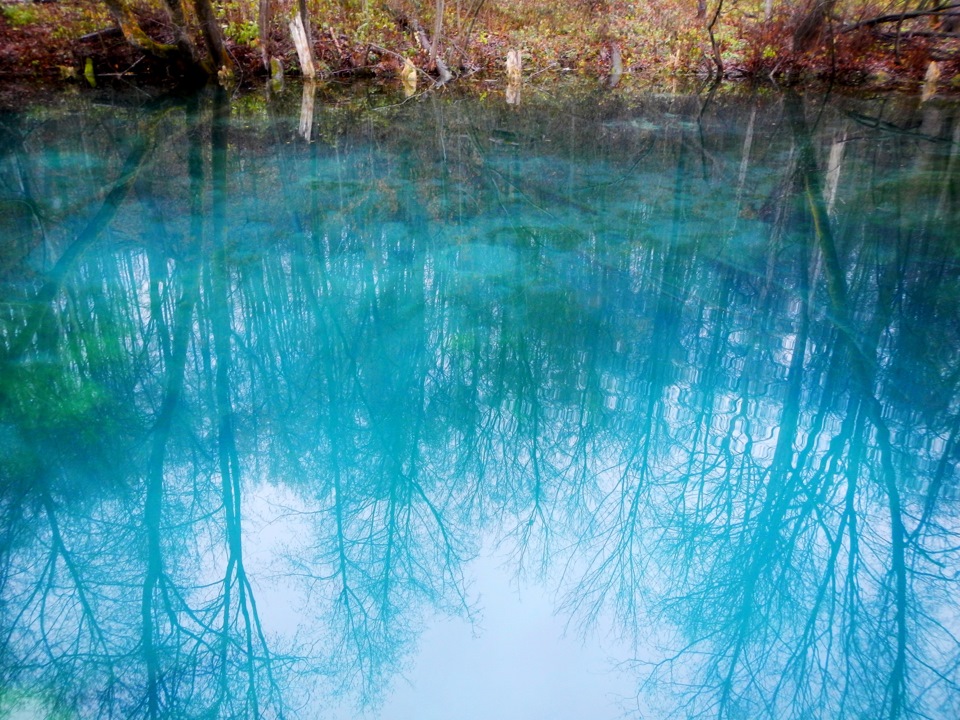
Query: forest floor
x,y
56,44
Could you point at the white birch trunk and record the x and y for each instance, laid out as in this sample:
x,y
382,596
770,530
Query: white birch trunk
x,y
304,51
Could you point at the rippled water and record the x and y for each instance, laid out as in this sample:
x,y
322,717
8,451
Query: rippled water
x,y
447,409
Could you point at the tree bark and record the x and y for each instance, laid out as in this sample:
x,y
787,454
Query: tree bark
x,y
264,18
298,31
212,35
305,15
184,42
437,30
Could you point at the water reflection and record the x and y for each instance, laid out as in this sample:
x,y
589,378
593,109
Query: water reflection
x,y
692,363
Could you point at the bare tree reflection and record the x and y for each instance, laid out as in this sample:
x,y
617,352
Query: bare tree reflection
x,y
788,553
703,403
170,648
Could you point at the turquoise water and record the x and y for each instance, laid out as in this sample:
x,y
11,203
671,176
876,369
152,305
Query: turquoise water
x,y
591,407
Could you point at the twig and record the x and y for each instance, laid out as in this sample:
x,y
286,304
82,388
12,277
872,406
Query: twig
x,y
550,66
336,43
123,72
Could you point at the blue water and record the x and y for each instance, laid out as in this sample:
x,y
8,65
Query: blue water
x,y
597,406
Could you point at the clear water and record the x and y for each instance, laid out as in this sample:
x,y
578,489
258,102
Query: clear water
x,y
585,408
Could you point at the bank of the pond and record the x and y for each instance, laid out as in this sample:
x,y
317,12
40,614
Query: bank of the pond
x,y
47,45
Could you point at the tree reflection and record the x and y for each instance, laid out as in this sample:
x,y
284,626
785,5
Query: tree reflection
x,y
702,400
804,586
107,600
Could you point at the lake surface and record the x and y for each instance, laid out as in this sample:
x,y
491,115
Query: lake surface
x,y
335,405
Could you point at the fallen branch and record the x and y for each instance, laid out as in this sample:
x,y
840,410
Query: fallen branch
x,y
920,33
899,17
336,42
101,34
424,39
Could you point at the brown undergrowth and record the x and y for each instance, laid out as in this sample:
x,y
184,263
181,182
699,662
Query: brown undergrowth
x,y
76,41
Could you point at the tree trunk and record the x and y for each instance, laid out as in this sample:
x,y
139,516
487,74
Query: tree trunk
x,y
184,42
305,15
616,66
212,34
437,30
264,18
302,36
809,28
714,45
442,70
298,31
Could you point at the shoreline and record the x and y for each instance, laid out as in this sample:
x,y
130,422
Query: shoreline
x,y
67,45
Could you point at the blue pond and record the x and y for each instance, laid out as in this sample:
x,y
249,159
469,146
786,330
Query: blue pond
x,y
641,405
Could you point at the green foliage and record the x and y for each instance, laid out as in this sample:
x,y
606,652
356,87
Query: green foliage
x,y
243,33
237,12
20,15
238,19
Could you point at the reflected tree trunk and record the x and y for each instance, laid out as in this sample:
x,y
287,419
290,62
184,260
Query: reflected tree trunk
x,y
242,608
863,370
143,145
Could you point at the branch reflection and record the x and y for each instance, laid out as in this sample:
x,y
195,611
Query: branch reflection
x,y
263,404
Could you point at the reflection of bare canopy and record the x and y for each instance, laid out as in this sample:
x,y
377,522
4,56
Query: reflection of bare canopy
x,y
589,349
